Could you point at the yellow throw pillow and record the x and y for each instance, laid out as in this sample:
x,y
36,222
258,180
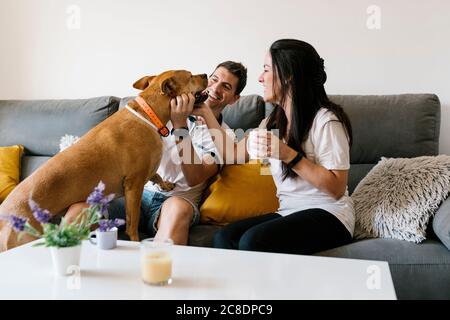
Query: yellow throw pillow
x,y
9,169
239,192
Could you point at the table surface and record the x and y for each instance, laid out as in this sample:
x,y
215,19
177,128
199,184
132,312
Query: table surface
x,y
198,273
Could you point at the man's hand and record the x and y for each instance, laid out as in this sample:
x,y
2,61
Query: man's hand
x,y
181,107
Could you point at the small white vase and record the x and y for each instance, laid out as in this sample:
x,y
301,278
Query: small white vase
x,y
66,260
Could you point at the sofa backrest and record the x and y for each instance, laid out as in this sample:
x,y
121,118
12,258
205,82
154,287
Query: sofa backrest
x,y
246,113
38,125
404,125
397,126
393,126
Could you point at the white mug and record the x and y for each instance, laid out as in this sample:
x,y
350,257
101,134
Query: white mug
x,y
252,143
104,240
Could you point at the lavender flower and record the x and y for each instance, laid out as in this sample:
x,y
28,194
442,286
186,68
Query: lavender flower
x,y
41,215
104,225
119,222
96,198
18,223
107,225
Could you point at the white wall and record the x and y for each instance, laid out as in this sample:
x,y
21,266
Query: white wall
x,y
121,40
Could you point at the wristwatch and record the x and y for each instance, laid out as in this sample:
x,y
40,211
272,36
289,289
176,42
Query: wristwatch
x,y
296,159
180,133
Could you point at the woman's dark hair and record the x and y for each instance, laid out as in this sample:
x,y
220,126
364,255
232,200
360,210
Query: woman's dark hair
x,y
301,75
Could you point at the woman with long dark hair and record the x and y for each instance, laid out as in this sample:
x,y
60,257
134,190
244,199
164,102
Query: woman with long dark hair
x,y
309,166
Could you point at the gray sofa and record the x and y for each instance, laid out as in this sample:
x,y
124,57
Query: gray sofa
x,y
390,126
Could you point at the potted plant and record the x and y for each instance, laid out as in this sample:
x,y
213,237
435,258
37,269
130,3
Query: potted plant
x,y
64,239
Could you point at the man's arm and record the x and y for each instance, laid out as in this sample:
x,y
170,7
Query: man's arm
x,y
195,170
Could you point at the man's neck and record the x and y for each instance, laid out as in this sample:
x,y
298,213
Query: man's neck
x,y
217,112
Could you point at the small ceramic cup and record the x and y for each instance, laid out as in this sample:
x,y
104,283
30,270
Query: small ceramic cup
x,y
104,240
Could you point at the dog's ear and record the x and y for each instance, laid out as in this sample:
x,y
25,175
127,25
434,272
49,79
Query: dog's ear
x,y
169,87
143,82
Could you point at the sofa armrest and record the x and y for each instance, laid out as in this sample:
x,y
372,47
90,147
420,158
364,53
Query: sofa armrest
x,y
441,223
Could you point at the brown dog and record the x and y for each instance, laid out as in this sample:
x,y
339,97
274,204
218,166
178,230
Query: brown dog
x,y
123,151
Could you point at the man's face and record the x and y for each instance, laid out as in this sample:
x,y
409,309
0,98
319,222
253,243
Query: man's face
x,y
221,88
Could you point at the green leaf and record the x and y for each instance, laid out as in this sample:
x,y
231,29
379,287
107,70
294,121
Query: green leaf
x,y
31,230
39,244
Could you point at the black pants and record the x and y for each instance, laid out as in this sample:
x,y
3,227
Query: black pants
x,y
304,232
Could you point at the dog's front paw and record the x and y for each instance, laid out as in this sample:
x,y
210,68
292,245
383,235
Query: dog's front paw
x,y
167,186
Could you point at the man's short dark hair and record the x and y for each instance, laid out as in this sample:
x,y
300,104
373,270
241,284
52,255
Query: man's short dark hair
x,y
237,69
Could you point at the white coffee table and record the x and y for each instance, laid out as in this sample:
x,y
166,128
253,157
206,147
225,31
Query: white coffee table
x,y
198,273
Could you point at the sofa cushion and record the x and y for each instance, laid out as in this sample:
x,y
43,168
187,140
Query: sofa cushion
x,y
124,101
38,125
30,164
413,119
201,235
398,197
246,113
238,192
356,173
393,251
9,169
441,223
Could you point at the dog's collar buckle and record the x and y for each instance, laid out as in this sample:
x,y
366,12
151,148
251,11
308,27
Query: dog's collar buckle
x,y
162,129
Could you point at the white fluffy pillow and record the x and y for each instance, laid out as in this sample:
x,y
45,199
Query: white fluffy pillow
x,y
398,196
66,141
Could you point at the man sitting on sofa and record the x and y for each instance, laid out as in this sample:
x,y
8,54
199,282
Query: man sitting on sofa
x,y
171,214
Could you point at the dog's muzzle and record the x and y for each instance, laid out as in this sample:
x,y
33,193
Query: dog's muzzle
x,y
200,97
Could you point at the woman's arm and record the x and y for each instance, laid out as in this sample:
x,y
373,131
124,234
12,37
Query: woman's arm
x,y
333,182
230,151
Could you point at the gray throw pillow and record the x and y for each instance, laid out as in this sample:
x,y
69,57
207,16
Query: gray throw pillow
x,y
398,196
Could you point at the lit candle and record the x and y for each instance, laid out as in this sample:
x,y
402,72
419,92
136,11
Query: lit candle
x,y
157,267
156,261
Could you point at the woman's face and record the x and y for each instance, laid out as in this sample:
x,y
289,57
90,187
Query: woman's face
x,y
271,85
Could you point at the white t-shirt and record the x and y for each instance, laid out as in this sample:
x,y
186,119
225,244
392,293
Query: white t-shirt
x,y
327,145
170,166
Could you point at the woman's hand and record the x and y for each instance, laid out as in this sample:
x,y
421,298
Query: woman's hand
x,y
267,145
181,107
200,109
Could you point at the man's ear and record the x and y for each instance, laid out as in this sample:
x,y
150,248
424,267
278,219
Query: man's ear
x,y
169,87
235,99
143,82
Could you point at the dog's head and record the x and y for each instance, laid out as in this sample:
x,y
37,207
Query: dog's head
x,y
173,83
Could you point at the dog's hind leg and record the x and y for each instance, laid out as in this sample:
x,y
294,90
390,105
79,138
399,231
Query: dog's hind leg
x,y
165,185
133,188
